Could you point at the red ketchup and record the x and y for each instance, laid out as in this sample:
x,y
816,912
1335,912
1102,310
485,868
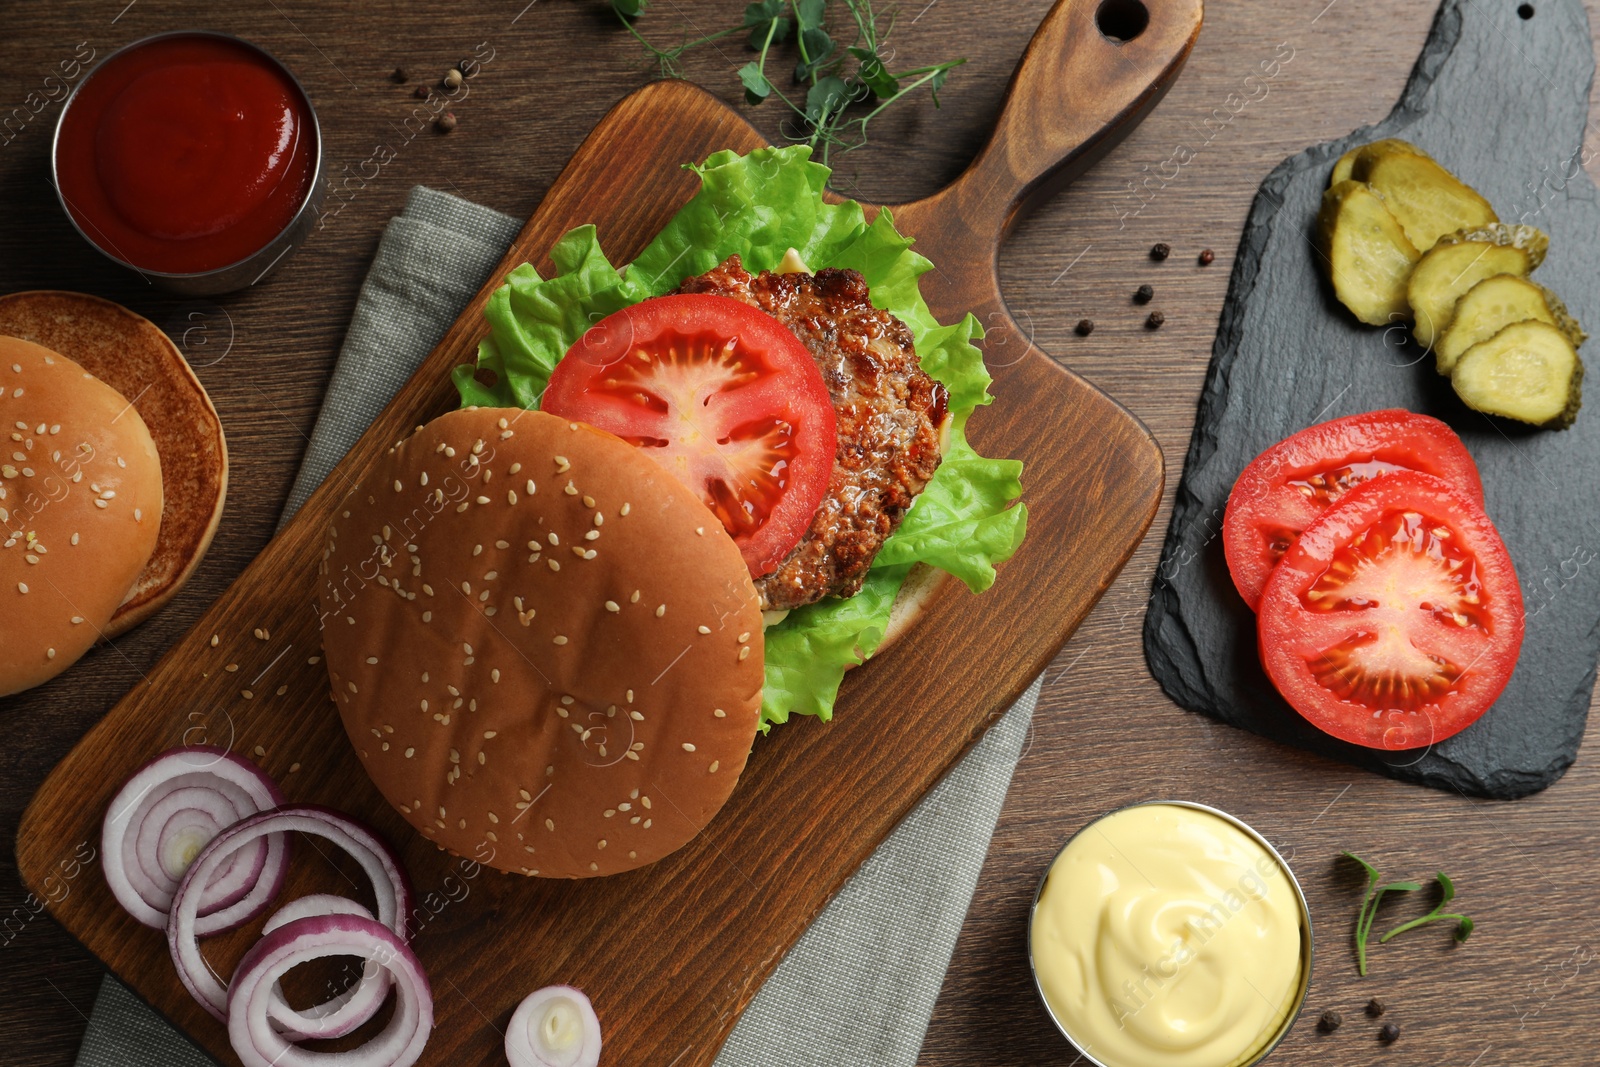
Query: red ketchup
x,y
186,153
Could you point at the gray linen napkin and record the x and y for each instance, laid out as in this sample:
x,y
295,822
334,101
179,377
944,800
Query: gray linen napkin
x,y
858,988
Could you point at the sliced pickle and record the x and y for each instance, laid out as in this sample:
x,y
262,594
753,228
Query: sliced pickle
x,y
1447,271
1366,253
1528,371
1428,200
1491,306
1530,239
1342,169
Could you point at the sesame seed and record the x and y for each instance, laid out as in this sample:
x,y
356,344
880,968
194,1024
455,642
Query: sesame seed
x,y
372,659
511,496
530,487
282,689
549,824
410,752
22,587
558,639
744,653
569,489
687,747
427,616
592,535
49,653
76,619
100,503
744,637
230,668
553,564
705,629
260,751
634,599
714,765
719,713
483,500
397,485
588,501
632,755
660,611
613,606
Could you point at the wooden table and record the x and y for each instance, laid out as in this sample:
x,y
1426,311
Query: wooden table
x,y
1517,993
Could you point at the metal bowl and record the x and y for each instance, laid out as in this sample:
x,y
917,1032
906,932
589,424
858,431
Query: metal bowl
x,y
1306,954
242,273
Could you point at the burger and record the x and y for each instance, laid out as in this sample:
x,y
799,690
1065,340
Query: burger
x,y
113,481
681,499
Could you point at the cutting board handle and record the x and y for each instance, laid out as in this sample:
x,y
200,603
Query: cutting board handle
x,y
1093,69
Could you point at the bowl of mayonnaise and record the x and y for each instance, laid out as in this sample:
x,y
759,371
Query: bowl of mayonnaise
x,y
1170,934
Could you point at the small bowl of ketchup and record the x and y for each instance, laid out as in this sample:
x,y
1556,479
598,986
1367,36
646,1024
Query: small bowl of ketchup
x,y
194,158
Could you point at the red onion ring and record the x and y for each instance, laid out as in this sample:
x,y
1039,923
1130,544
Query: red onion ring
x,y
343,1013
554,1027
388,883
163,817
251,994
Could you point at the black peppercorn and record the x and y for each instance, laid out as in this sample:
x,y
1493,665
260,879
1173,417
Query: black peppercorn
x,y
1375,1007
1206,257
1155,320
468,67
399,76
1389,1034
420,92
1160,251
1143,295
1085,327
446,122
1330,1021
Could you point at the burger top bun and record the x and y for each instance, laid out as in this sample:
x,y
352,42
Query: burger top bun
x,y
132,355
80,504
545,649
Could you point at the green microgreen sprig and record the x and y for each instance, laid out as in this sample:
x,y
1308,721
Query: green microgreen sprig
x,y
845,87
1373,895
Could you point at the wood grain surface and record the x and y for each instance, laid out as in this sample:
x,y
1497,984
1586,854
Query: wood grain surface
x,y
1519,993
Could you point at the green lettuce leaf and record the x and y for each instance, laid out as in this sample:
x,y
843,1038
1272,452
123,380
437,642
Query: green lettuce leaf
x,y
758,206
808,653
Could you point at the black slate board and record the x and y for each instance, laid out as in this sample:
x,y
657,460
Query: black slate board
x,y
1501,100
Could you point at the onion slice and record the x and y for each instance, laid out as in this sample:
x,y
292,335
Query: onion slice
x,y
166,814
251,993
388,882
343,1013
554,1027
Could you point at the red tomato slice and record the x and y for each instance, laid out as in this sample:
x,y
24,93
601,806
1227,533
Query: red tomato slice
x,y
1395,619
721,394
1300,477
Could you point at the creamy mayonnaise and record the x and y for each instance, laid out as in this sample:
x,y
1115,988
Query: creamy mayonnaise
x,y
1166,936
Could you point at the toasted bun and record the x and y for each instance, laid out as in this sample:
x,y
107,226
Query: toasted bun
x,y
922,584
132,355
80,502
545,649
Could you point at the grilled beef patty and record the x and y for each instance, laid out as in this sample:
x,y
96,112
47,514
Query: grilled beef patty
x,y
889,414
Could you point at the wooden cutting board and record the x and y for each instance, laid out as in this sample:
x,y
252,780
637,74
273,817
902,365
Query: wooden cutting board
x,y
672,953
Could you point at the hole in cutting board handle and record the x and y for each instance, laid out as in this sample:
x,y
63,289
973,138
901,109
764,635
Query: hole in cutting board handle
x,y
1525,11
1122,20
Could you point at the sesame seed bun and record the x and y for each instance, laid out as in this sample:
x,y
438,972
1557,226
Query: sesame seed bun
x,y
546,651
135,357
80,510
